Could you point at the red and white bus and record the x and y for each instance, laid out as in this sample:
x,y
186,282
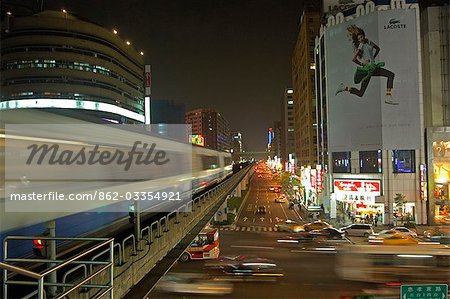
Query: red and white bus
x,y
204,246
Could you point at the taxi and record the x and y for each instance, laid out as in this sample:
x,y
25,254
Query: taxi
x,y
316,225
281,199
289,226
395,239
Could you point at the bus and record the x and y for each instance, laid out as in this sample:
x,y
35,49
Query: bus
x,y
204,246
394,264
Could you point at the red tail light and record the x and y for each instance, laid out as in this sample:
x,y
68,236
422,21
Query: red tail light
x,y
39,244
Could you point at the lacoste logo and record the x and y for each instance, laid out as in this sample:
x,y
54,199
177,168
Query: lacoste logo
x,y
394,24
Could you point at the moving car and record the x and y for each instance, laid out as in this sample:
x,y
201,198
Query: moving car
x,y
261,210
396,239
382,234
289,226
230,260
358,230
328,233
440,235
250,270
280,199
271,188
405,231
190,283
316,225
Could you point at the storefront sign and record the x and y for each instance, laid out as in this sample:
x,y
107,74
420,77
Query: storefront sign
x,y
198,140
313,180
422,182
370,187
319,180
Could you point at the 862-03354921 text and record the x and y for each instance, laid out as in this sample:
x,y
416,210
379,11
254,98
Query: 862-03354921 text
x,y
97,195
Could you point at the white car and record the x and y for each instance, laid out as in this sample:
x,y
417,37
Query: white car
x,y
189,283
405,231
382,234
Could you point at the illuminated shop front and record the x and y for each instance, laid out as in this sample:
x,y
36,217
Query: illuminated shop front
x,y
356,198
441,176
312,184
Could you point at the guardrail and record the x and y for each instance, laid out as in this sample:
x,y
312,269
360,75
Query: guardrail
x,y
41,278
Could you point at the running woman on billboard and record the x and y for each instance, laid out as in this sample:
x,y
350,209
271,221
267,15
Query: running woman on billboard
x,y
364,55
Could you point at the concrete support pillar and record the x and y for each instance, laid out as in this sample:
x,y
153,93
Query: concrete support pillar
x,y
243,185
238,190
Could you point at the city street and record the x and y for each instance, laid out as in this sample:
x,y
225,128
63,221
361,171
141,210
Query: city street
x,y
308,272
260,196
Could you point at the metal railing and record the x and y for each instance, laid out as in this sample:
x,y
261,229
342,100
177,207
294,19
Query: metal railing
x,y
40,278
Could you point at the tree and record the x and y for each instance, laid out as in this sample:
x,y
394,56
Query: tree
x,y
400,201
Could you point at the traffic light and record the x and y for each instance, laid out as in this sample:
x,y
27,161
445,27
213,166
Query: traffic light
x,y
132,214
40,248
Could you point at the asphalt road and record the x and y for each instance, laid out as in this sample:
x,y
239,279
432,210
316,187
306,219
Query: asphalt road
x,y
260,195
308,273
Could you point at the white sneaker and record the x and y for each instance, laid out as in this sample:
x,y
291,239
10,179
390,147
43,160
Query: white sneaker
x,y
389,100
341,88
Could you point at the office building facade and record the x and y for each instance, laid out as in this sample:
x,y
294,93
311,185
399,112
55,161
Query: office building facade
x,y
370,123
212,126
303,85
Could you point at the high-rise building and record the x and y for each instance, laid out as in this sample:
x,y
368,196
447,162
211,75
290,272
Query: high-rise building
x,y
275,149
287,125
212,127
370,111
237,146
435,35
57,62
303,85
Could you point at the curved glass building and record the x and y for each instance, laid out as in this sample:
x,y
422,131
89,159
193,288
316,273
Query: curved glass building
x,y
55,61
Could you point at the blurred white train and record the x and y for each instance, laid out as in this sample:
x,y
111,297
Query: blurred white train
x,y
207,167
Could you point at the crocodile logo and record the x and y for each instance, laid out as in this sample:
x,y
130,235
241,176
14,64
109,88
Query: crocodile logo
x,y
394,21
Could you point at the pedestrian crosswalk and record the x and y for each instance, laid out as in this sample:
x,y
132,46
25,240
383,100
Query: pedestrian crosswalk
x,y
250,229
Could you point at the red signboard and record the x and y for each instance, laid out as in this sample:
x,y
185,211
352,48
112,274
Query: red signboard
x,y
148,79
313,179
422,181
319,180
357,186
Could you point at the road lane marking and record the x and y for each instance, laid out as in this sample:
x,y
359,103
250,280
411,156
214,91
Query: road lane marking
x,y
270,220
282,208
270,213
298,214
253,219
313,251
254,247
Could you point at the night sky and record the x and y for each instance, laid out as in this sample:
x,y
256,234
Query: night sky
x,y
231,55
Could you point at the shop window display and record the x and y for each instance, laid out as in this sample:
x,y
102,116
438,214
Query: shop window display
x,y
441,151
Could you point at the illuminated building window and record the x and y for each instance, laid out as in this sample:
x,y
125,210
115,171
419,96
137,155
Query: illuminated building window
x,y
370,161
403,161
341,162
